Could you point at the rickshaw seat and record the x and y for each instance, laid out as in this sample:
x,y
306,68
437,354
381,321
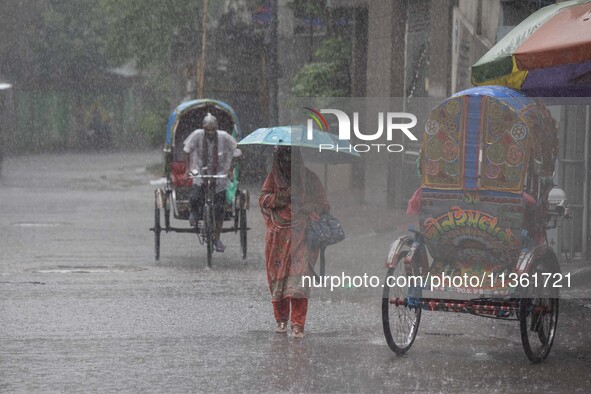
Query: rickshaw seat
x,y
178,173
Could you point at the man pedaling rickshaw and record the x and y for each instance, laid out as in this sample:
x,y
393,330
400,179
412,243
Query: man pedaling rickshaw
x,y
210,151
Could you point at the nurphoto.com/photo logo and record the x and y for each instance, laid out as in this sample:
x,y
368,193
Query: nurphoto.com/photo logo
x,y
395,122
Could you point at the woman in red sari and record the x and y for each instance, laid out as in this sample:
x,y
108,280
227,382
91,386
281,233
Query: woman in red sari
x,y
292,195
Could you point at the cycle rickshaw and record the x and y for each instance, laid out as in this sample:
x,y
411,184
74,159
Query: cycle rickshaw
x,y
174,197
486,164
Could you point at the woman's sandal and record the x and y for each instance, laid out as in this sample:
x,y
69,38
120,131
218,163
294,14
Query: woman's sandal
x,y
297,332
281,327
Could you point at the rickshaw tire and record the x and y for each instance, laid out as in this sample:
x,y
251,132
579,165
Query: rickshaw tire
x,y
243,233
537,356
386,305
157,230
236,211
208,230
167,211
545,336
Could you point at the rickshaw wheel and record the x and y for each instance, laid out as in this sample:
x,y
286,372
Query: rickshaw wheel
x,y
400,321
167,210
208,231
243,232
157,230
538,316
236,208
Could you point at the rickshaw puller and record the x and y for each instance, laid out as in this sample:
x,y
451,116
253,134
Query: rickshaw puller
x,y
210,151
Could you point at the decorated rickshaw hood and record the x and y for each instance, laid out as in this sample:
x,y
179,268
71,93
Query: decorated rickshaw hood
x,y
188,105
488,138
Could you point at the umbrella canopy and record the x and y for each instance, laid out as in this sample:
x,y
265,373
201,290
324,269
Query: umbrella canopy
x,y
334,151
546,55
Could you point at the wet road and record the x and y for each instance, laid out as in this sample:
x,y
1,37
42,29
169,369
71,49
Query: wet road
x,y
84,306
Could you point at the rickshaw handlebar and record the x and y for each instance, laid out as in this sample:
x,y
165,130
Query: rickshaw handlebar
x,y
196,174
208,176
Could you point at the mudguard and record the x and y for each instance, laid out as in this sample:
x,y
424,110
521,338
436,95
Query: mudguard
x,y
160,198
527,259
395,249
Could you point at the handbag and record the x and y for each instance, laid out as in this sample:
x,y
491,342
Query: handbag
x,y
327,230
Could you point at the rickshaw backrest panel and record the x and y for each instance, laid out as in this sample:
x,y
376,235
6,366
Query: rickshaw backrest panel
x,y
465,225
483,139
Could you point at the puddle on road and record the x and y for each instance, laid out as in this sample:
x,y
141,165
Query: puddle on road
x,y
482,356
87,269
34,224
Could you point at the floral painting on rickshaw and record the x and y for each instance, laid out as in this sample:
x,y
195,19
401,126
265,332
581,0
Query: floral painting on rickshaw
x,y
459,232
444,160
506,143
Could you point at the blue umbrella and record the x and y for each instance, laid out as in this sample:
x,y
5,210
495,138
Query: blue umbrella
x,y
322,148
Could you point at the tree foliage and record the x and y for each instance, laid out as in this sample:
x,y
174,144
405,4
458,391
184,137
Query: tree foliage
x,y
62,46
145,30
50,40
64,37
154,32
329,75
75,30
